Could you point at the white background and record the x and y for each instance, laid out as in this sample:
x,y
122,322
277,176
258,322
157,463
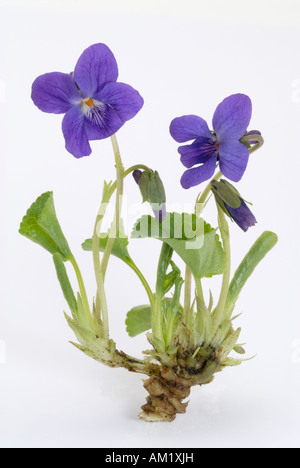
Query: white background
x,y
183,57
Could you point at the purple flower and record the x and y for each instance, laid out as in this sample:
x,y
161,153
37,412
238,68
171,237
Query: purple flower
x,y
94,104
223,146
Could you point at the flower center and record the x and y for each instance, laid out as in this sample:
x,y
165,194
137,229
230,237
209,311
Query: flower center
x,y
89,102
95,111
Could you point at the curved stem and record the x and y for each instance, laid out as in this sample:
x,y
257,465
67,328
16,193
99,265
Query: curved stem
x,y
126,173
204,195
144,283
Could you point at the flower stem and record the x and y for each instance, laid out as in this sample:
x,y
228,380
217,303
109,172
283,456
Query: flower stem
x,y
118,207
157,316
199,290
224,229
100,268
82,289
187,294
199,207
204,195
100,295
101,302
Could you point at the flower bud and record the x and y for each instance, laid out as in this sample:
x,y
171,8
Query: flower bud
x,y
152,190
233,205
253,139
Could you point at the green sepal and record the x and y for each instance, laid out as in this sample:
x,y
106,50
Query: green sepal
x,y
138,320
227,193
257,252
195,241
156,190
152,188
144,185
41,226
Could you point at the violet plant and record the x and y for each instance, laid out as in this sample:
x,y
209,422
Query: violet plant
x,y
190,340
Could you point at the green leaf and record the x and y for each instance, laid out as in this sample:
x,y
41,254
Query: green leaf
x,y
257,252
195,241
40,225
119,247
138,320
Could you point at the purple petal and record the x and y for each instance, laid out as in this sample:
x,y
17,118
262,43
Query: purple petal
x,y
189,127
199,174
232,117
198,152
137,174
55,93
159,211
233,156
125,100
101,121
73,127
95,67
242,216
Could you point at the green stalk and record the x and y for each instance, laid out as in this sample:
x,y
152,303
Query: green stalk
x,y
83,294
101,302
144,283
199,290
173,309
100,268
204,195
100,294
156,317
199,206
220,309
187,294
118,206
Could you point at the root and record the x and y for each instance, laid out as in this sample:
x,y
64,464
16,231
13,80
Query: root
x,y
166,394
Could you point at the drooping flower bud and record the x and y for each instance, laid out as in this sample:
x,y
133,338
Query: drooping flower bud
x,y
233,205
152,190
253,139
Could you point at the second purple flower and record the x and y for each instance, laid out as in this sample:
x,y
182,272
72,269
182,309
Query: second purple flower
x,y
223,146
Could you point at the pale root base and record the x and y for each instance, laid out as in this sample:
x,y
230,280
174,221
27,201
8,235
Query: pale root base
x,y
166,393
